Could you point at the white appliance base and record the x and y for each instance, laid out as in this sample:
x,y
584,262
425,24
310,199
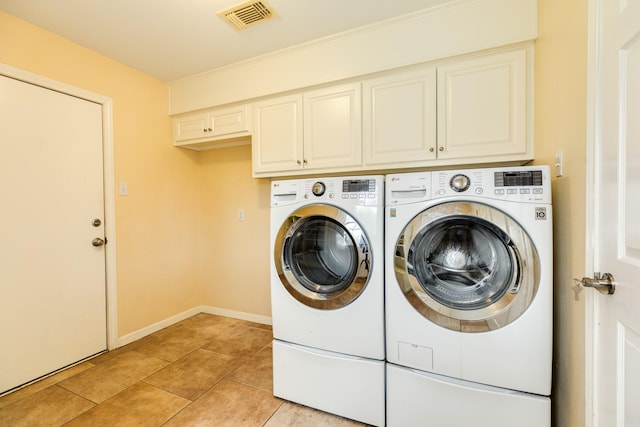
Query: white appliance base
x,y
416,398
351,387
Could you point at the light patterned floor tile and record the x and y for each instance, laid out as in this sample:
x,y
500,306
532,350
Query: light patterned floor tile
x,y
52,406
44,383
257,371
140,405
229,404
294,415
241,341
110,378
195,373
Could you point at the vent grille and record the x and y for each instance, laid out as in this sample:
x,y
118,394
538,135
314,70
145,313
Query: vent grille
x,y
247,14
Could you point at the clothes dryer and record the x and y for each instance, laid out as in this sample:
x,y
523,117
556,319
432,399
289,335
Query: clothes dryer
x,y
327,294
469,296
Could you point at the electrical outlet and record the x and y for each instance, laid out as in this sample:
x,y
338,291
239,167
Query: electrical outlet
x,y
241,215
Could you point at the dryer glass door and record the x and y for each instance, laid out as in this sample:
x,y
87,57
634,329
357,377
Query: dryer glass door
x,y
322,256
464,262
467,266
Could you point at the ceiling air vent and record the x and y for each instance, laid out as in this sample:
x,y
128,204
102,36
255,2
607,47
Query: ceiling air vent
x,y
247,14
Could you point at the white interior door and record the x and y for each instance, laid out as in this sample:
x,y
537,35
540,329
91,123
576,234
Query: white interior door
x,y
616,359
52,278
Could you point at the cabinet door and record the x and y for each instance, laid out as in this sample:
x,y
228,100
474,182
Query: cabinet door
x,y
483,106
193,126
230,121
399,118
277,135
332,127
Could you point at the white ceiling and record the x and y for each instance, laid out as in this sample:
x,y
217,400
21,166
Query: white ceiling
x,y
172,39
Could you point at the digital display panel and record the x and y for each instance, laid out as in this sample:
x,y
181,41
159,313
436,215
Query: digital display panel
x,y
358,185
518,179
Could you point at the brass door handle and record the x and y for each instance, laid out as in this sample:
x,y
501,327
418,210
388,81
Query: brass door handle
x,y
97,242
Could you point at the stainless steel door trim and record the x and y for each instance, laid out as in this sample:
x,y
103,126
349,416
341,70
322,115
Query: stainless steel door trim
x,y
513,300
321,296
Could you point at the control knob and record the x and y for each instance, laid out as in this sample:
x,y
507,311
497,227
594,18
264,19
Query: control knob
x,y
318,188
460,183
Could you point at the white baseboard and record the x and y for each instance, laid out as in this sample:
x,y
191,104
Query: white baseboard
x,y
236,314
148,330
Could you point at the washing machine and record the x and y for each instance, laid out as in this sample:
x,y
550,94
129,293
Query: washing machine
x,y
327,294
469,275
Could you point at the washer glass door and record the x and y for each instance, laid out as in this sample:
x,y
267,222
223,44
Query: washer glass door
x,y
467,266
322,256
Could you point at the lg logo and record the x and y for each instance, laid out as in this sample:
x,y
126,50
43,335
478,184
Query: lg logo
x,y
541,214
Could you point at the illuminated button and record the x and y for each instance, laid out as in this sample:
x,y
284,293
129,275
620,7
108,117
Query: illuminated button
x,y
512,191
354,196
499,192
345,196
537,191
479,190
525,191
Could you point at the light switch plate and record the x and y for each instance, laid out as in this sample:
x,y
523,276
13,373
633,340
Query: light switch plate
x,y
558,164
123,189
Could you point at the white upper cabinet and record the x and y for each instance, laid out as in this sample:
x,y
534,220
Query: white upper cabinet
x,y
191,126
471,110
399,118
205,129
317,131
333,127
484,107
277,135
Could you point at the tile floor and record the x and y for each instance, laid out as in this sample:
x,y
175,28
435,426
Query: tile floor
x,y
204,371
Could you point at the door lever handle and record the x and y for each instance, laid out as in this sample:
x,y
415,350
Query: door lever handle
x,y
603,283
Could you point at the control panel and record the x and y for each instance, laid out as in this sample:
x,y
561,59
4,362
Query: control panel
x,y
527,184
356,191
342,189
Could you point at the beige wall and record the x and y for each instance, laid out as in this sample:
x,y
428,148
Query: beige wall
x,y
561,83
156,224
234,255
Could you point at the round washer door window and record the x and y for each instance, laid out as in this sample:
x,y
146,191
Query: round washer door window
x,y
467,266
322,257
